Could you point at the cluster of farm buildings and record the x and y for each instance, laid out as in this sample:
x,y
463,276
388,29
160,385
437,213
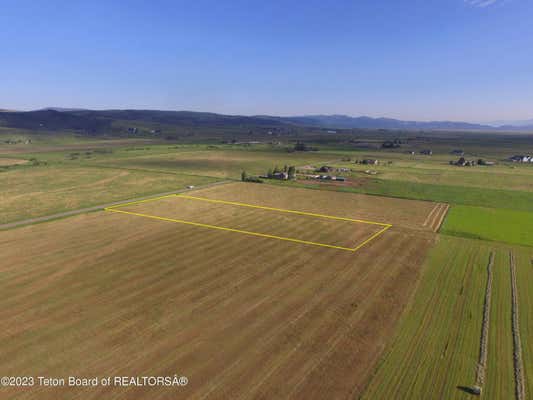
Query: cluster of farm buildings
x,y
327,177
521,159
326,174
277,175
463,162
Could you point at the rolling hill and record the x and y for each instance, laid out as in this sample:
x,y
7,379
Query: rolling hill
x,y
106,121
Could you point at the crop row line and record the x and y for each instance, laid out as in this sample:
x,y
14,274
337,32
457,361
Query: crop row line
x,y
517,344
483,346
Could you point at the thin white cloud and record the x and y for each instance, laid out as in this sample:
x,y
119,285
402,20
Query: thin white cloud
x,y
484,3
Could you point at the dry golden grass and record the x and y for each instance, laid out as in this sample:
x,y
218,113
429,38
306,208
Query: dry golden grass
x,y
12,161
399,212
35,192
108,294
321,230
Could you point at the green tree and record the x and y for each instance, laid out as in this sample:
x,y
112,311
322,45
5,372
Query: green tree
x,y
243,176
292,172
300,146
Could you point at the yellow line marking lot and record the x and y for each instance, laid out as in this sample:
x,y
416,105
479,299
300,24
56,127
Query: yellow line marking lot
x,y
384,226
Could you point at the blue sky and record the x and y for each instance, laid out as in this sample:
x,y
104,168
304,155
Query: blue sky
x,y
413,59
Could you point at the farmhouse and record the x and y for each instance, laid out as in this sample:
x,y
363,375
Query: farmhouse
x,y
280,175
370,161
521,159
484,162
462,162
327,177
391,144
427,152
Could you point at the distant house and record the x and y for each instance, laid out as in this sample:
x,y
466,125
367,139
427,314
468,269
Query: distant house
x,y
280,175
370,161
484,162
325,168
427,152
462,162
458,152
327,177
391,144
521,159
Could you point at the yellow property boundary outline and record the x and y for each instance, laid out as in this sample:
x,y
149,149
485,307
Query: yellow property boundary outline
x,y
384,226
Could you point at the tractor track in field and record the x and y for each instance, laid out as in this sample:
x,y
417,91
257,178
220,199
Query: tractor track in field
x,y
436,216
426,221
430,215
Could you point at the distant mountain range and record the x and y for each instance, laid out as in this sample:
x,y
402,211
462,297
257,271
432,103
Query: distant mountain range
x,y
346,122
55,118
527,122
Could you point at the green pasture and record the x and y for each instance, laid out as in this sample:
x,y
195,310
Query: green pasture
x,y
500,225
435,351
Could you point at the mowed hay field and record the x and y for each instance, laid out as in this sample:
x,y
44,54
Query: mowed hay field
x,y
109,294
436,349
220,163
34,192
322,231
401,213
524,265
